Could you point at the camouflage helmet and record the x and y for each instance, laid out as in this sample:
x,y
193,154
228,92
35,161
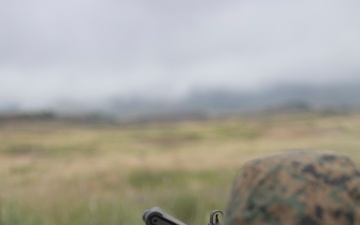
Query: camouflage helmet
x,y
296,188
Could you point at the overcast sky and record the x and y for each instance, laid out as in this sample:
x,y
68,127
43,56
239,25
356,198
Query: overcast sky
x,y
91,49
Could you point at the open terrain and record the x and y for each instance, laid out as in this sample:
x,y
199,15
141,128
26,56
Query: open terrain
x,y
54,172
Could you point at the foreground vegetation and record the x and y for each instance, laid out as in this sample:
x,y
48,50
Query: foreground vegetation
x,y
60,173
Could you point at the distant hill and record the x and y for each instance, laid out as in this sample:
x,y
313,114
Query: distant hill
x,y
342,97
220,101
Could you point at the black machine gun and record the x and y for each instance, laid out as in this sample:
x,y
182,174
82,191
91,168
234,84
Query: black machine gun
x,y
156,216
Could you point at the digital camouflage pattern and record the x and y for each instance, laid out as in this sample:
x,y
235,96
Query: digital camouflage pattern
x,y
296,188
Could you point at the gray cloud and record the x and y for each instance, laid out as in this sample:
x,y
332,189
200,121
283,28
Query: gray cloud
x,y
88,49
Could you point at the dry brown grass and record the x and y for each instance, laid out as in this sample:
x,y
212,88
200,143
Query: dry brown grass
x,y
58,173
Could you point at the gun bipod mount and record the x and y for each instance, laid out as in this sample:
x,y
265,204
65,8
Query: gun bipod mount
x,y
156,216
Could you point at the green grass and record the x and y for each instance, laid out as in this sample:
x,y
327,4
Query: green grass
x,y
54,173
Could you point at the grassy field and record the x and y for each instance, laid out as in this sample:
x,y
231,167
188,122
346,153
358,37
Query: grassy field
x,y
56,173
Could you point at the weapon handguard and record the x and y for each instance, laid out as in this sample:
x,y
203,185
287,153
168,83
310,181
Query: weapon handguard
x,y
156,216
